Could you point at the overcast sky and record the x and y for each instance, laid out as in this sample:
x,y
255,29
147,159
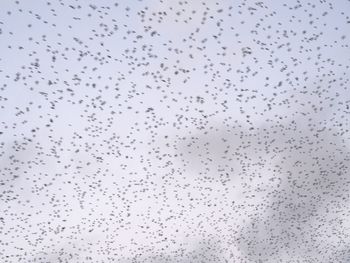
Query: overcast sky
x,y
174,131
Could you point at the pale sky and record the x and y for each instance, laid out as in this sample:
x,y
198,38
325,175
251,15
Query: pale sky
x,y
174,131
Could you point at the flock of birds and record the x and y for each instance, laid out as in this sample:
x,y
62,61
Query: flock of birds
x,y
174,131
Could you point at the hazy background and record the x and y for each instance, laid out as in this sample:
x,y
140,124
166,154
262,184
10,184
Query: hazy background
x,y
174,131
